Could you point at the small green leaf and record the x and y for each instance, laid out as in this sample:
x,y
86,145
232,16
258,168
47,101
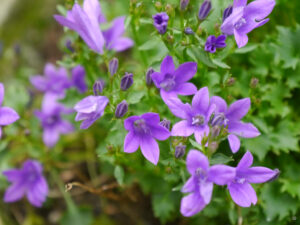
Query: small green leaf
x,y
195,144
220,158
248,48
119,174
135,97
220,64
152,43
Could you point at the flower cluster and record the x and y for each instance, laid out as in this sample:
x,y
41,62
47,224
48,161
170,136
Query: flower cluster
x,y
206,118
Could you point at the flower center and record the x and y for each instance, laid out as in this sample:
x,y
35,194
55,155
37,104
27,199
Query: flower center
x,y
198,120
141,126
51,120
219,120
168,83
240,23
240,180
201,174
158,19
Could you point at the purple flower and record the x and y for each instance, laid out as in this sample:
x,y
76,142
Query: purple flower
x,y
54,81
195,117
204,9
27,181
90,109
51,120
240,189
86,22
200,184
7,115
113,36
212,43
143,130
173,82
244,18
231,117
78,75
227,12
160,21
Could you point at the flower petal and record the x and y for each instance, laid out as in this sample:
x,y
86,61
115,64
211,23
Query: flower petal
x,y
220,104
167,65
93,10
258,174
234,143
221,174
37,192
189,185
131,142
12,175
50,137
242,194
15,192
191,204
238,109
121,44
178,108
246,161
7,116
240,38
39,82
151,118
186,89
195,160
185,72
239,3
246,130
228,24
89,122
182,128
201,100
115,31
259,9
200,133
150,149
206,189
159,132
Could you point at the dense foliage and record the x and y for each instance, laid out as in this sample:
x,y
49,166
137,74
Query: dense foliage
x,y
92,162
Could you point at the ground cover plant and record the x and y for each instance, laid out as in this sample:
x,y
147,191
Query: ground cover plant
x,y
150,112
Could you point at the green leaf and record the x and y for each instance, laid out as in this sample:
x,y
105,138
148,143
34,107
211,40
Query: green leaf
x,y
135,97
81,216
246,49
150,44
220,158
119,174
199,55
220,64
196,145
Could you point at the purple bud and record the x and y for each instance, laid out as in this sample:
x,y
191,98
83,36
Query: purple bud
x,y
204,10
230,81
160,21
98,87
184,4
165,123
149,81
188,31
113,66
180,150
254,82
219,120
215,131
126,81
69,45
227,12
122,109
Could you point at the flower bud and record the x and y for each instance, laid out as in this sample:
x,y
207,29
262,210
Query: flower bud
x,y
188,31
122,109
169,9
113,66
170,39
227,12
180,150
149,73
184,4
98,87
165,123
215,131
158,6
219,120
160,21
69,45
254,82
204,10
213,146
126,81
230,81
199,31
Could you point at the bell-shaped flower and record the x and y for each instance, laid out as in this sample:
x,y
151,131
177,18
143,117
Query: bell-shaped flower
x,y
244,18
142,132
200,184
29,181
195,117
230,117
172,81
240,189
